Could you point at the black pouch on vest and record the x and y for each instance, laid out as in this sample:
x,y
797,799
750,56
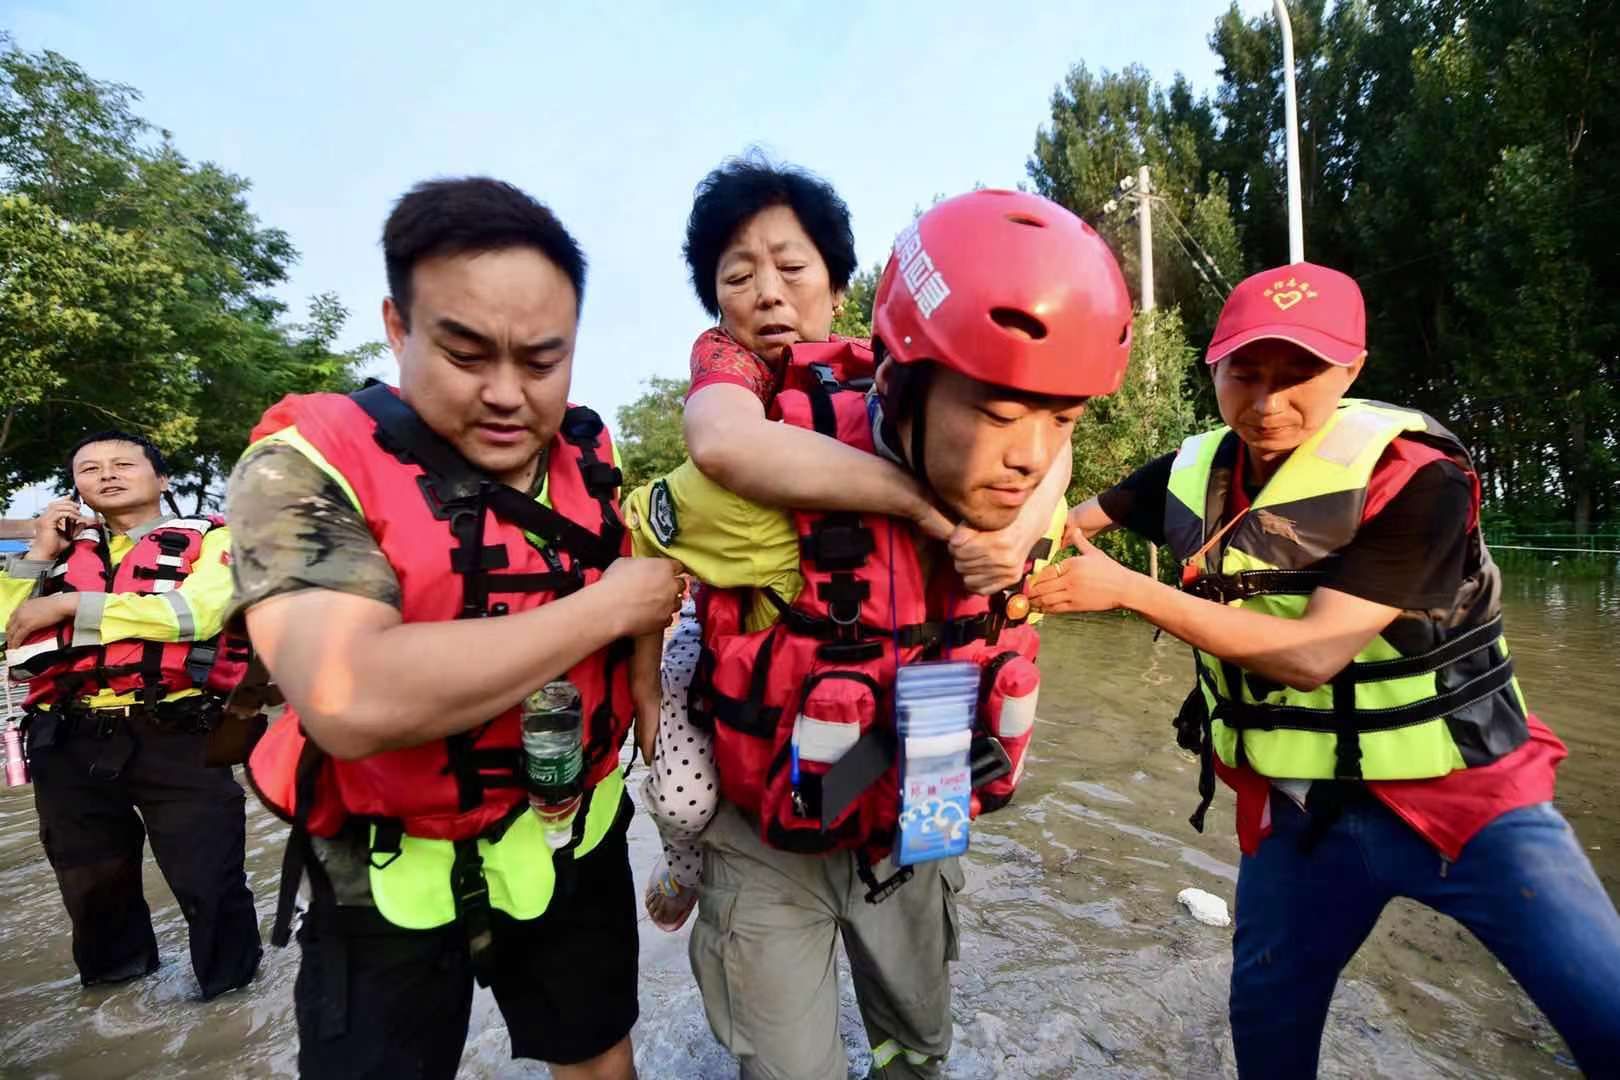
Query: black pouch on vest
x,y
1192,722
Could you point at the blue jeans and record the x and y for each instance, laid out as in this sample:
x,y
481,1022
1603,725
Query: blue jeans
x,y
1522,886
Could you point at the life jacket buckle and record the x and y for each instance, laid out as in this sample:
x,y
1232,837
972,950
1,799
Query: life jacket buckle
x,y
823,374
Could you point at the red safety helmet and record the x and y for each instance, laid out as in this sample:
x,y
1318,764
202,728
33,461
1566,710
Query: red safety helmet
x,y
1007,288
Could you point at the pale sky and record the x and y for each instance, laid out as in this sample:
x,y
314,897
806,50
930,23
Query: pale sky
x,y
611,117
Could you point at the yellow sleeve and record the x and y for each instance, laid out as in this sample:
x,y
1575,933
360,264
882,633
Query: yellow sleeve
x,y
17,585
195,611
1060,520
722,539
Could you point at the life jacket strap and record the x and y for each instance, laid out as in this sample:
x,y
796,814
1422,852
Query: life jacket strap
x,y
1194,731
299,854
598,731
751,716
582,429
1248,584
453,480
473,909
879,891
1243,715
847,780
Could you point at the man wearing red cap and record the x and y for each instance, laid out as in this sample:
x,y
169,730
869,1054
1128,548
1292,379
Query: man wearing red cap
x,y
1352,684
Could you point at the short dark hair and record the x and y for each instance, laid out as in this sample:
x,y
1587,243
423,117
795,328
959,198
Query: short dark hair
x,y
743,186
470,215
153,454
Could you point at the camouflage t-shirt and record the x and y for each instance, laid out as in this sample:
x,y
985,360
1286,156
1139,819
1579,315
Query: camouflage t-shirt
x,y
293,528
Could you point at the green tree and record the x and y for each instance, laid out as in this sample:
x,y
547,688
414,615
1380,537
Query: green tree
x,y
1102,129
1149,415
649,434
855,320
156,274
1457,158
1452,159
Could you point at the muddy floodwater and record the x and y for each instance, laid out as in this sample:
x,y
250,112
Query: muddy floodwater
x,y
1076,959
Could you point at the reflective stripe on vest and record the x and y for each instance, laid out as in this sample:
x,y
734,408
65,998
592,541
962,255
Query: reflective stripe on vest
x,y
160,557
1389,715
413,890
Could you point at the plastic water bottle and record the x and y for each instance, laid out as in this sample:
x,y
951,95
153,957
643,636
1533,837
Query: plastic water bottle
x,y
16,763
554,757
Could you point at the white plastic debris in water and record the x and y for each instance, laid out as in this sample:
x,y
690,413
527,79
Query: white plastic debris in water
x,y
1207,908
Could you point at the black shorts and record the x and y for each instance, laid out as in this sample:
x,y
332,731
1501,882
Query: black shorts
x,y
565,982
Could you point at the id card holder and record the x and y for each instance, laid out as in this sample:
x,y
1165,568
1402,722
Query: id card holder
x,y
936,781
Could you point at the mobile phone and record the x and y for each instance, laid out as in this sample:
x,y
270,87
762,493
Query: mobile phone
x,y
69,527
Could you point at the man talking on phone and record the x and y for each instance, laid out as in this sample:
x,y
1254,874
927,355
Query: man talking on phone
x,y
114,622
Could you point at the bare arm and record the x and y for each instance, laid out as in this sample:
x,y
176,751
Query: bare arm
x,y
1301,653
1087,520
734,445
646,689
364,681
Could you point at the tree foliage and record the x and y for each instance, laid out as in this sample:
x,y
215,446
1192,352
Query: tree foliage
x,y
1147,416
1458,157
855,320
649,435
134,286
1103,128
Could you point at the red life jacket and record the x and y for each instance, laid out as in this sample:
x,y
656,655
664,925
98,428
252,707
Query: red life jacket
x,y
829,663
158,562
455,539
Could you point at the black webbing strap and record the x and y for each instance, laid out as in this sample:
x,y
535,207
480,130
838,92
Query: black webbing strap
x,y
753,716
152,688
1247,584
1197,712
1464,644
563,864
1246,716
582,429
822,414
850,776
1347,742
473,910
952,633
299,854
879,891
453,479
558,582
387,840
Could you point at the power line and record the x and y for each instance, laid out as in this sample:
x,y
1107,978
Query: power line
x,y
1209,263
1203,275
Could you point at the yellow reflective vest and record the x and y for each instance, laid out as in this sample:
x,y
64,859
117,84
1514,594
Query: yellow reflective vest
x,y
1433,692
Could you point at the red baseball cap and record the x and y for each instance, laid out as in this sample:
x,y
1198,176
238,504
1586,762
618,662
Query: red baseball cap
x,y
1318,309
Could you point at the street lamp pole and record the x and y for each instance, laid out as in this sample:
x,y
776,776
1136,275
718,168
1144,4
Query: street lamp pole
x,y
1296,216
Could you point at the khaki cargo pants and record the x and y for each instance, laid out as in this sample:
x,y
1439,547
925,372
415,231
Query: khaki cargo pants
x,y
764,952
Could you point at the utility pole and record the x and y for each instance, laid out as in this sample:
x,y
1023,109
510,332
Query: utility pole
x,y
1144,222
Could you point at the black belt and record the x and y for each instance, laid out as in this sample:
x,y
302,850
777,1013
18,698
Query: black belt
x,y
194,714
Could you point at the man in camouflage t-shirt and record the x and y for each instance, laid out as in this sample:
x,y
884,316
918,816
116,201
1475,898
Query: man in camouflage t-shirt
x,y
485,288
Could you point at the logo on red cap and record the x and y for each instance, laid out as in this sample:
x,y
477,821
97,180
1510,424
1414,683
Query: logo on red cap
x,y
1285,294
1314,307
